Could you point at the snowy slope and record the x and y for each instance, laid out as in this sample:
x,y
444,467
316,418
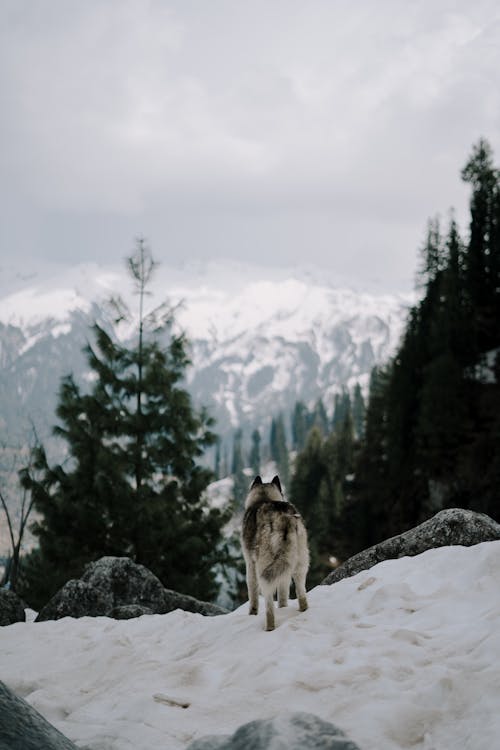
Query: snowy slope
x,y
405,655
261,339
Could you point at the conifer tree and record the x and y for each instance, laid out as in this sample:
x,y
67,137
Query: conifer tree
x,y
358,412
482,259
237,470
305,487
341,409
432,259
299,425
278,448
255,452
132,484
217,459
320,417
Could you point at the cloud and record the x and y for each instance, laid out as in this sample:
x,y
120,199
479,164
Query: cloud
x,y
264,116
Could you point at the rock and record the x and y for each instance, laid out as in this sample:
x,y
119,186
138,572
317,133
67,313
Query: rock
x,y
118,585
294,731
173,600
448,527
23,728
129,611
75,599
125,582
11,607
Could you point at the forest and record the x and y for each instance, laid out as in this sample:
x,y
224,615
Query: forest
x,y
429,438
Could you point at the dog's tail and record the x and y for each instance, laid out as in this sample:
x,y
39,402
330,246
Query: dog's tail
x,y
275,569
282,546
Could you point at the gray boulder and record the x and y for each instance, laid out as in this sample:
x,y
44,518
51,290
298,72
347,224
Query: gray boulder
x,y
75,599
11,608
173,600
448,527
294,731
129,611
118,587
23,728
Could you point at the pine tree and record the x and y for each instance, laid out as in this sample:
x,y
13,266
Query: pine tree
x,y
482,257
320,417
278,448
217,459
358,412
299,426
255,452
432,259
307,494
132,484
341,409
237,470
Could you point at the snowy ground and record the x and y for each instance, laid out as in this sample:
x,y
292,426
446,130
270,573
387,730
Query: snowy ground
x,y
405,655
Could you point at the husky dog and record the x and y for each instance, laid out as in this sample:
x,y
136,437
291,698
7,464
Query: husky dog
x,y
274,541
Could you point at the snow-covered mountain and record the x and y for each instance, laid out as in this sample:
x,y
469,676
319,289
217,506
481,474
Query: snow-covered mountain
x,y
260,339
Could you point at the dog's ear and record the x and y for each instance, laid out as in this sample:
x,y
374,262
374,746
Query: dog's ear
x,y
256,482
277,483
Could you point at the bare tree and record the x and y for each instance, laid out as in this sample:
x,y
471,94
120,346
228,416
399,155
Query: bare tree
x,y
10,484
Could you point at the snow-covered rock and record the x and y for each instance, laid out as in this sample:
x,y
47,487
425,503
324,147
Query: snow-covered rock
x,y
112,583
293,731
449,526
11,607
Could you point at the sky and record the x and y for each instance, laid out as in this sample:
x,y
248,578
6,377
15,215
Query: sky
x,y
272,132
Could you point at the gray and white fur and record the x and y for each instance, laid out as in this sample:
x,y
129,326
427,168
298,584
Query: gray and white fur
x,y
274,541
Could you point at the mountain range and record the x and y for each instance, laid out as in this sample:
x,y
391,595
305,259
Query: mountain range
x,y
260,339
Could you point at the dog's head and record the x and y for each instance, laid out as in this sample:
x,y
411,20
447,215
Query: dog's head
x,y
260,490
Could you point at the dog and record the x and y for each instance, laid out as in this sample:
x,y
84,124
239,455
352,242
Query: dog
x,y
274,543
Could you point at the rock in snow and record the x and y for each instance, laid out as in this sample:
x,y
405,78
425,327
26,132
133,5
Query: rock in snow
x,y
23,728
112,583
448,527
11,608
295,731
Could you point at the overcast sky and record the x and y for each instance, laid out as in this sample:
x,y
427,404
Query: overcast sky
x,y
273,131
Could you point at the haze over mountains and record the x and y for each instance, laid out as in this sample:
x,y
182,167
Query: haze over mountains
x,y
260,339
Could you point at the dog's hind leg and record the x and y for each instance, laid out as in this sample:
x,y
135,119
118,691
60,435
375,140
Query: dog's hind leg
x,y
283,590
268,588
269,610
299,578
253,588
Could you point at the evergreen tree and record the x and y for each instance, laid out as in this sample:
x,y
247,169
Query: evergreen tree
x,y
320,417
237,470
255,452
217,459
299,426
358,412
432,259
342,407
278,448
305,493
131,484
480,173
369,516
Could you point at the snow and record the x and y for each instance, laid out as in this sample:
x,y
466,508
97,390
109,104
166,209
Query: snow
x,y
405,655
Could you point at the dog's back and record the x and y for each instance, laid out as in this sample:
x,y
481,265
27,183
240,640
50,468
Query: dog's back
x,y
274,541
271,532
